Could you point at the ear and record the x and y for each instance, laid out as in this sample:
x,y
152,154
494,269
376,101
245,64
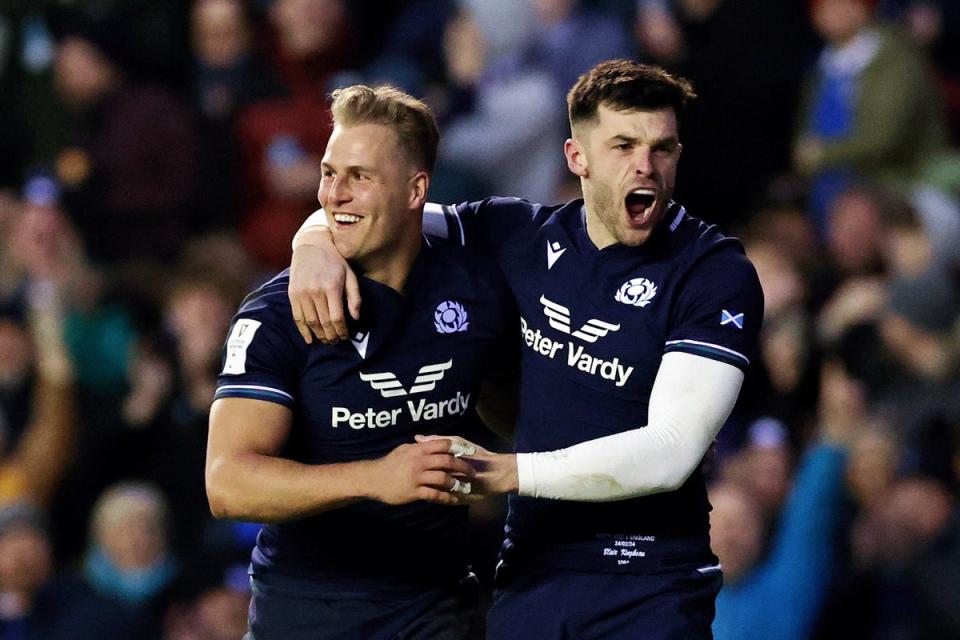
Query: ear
x,y
419,185
576,158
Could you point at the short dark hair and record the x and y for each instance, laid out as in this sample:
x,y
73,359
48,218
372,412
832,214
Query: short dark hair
x,y
412,119
624,85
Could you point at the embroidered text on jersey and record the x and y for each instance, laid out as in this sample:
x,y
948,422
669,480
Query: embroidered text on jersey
x,y
637,292
389,386
554,251
450,317
559,318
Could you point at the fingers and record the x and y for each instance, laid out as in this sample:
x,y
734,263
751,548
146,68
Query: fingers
x,y
445,482
309,309
449,463
337,319
352,287
299,321
437,496
455,444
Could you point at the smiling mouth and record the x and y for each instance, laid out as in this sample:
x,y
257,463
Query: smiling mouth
x,y
639,204
346,219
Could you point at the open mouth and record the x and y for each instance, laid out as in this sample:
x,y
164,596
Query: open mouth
x,y
639,203
346,219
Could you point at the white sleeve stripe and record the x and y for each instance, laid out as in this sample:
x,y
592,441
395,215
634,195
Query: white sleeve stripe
x,y
456,216
676,221
434,221
712,346
253,387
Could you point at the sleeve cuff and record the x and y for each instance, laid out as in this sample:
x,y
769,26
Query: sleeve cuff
x,y
255,392
526,477
709,350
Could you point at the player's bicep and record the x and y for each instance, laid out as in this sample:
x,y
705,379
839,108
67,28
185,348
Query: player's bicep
x,y
242,425
694,393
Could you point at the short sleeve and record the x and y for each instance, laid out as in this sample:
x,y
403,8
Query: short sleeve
x,y
260,360
719,309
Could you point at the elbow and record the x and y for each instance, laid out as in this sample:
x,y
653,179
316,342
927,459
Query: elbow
x,y
220,497
674,478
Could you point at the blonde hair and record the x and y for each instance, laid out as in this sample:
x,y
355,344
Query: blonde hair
x,y
412,119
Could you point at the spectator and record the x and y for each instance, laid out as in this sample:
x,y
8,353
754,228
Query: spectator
x,y
906,554
485,47
228,75
37,604
132,166
282,139
129,560
218,613
600,36
714,43
751,604
872,110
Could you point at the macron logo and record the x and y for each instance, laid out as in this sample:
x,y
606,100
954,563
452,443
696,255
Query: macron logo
x,y
559,318
389,386
360,341
554,251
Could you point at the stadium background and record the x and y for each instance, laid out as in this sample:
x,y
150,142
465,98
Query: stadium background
x,y
156,158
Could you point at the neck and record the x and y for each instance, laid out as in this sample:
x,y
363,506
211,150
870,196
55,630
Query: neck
x,y
393,267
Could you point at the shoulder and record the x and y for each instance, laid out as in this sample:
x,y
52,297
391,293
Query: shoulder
x,y
510,212
270,297
698,239
708,252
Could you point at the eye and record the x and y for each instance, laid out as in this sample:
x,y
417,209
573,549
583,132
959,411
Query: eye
x,y
327,173
623,146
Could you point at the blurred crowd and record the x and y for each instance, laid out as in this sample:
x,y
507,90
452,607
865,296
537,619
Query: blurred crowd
x,y
158,156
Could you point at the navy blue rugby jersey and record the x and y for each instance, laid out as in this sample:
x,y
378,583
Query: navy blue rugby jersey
x,y
593,327
413,366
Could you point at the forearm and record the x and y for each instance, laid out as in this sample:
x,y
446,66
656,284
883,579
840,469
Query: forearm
x,y
263,488
46,447
314,230
691,399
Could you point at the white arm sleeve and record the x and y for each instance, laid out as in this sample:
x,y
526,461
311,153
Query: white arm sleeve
x,y
691,399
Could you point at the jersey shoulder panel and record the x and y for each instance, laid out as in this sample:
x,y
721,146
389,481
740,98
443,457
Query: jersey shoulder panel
x,y
719,307
264,352
498,219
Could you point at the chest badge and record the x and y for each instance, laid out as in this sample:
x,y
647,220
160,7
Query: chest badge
x,y
450,317
637,292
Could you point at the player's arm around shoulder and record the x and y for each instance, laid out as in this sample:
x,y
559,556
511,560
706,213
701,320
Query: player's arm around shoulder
x,y
320,282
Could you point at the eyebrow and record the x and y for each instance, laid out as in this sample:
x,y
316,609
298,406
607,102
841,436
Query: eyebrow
x,y
354,168
622,137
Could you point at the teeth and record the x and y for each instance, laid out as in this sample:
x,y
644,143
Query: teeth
x,y
644,192
346,218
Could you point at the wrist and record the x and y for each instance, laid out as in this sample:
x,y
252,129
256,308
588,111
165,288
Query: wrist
x,y
361,484
313,236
